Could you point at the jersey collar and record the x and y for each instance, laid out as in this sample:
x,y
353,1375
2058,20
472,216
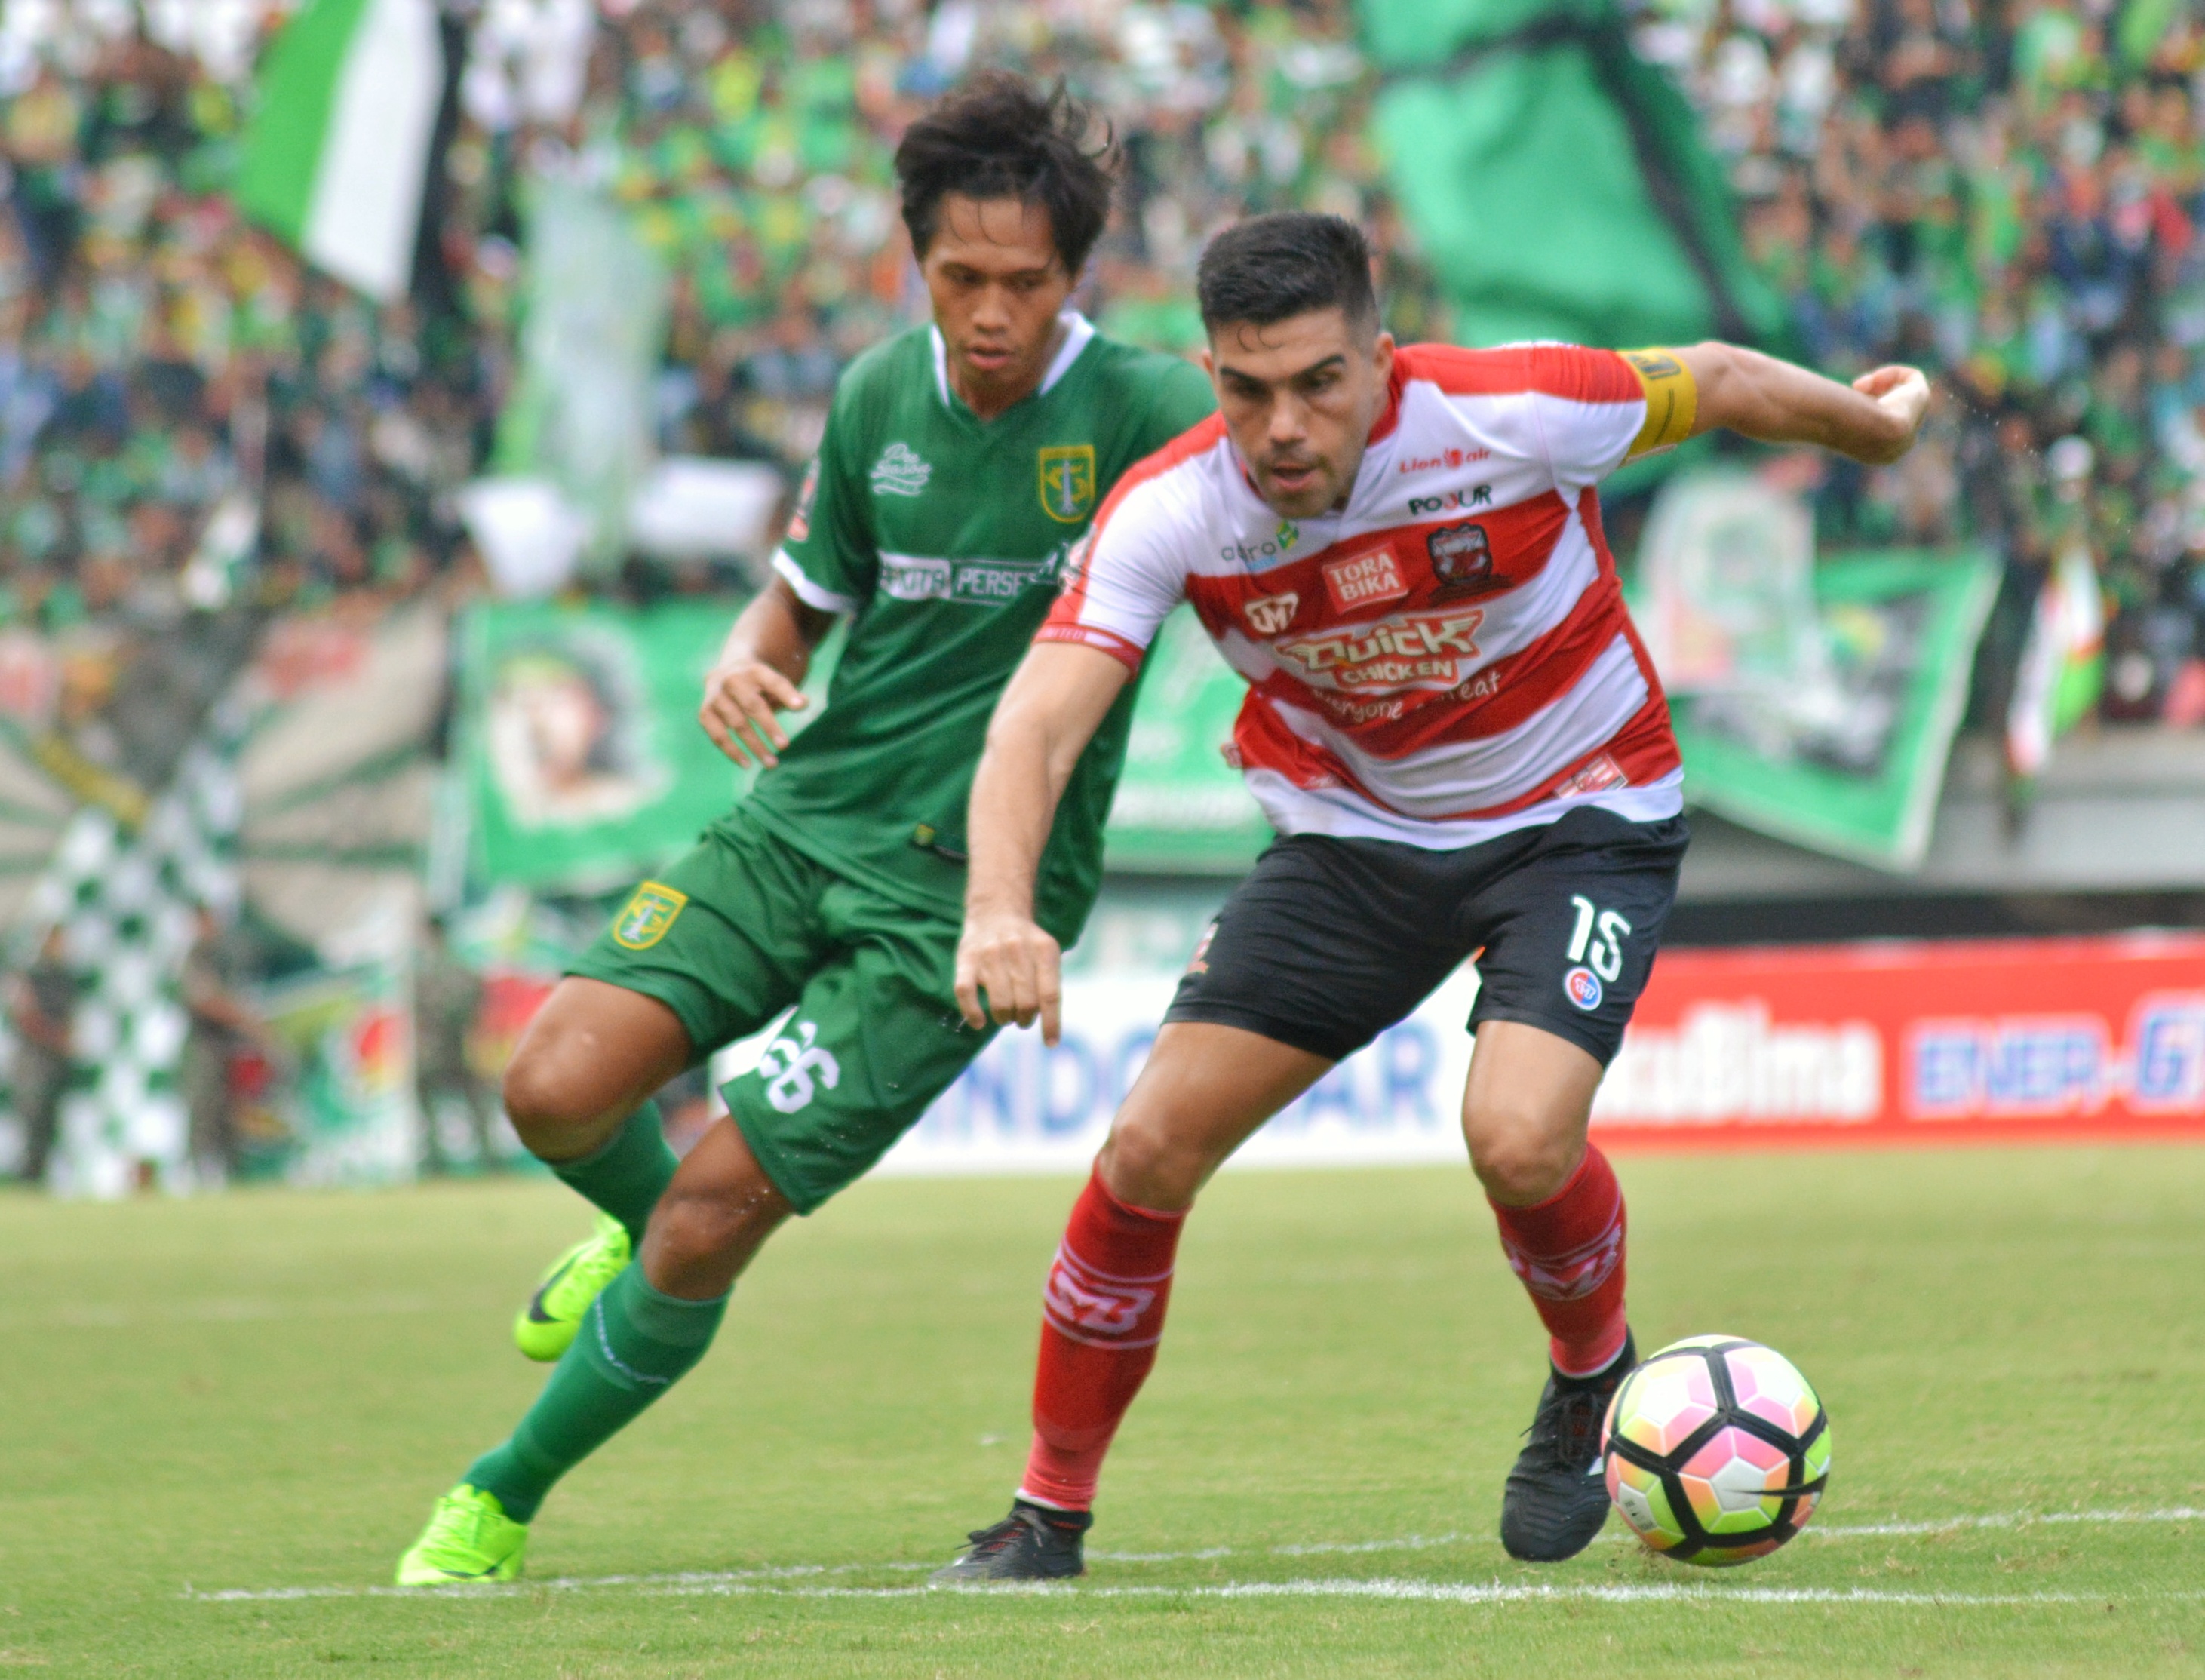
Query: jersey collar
x,y
1078,330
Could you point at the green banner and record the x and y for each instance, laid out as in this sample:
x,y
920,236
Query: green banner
x,y
1181,809
1858,778
586,764
342,1111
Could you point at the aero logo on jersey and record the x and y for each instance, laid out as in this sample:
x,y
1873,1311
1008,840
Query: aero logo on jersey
x,y
1068,482
646,917
1426,649
1268,615
1373,577
788,1066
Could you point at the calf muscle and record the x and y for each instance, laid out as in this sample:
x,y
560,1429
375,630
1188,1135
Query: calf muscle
x,y
714,1217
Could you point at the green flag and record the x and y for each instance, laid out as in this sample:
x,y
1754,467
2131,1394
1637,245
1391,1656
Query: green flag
x,y
1556,183
336,157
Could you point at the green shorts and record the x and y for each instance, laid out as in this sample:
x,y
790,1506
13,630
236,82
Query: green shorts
x,y
747,925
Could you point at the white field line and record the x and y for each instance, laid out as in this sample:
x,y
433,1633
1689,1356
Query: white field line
x,y
764,1578
1426,1592
2011,1519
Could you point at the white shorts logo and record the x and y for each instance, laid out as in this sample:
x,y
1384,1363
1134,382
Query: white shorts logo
x,y
787,1067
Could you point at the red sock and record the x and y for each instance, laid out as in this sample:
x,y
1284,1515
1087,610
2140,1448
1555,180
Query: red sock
x,y
1568,1251
1102,1315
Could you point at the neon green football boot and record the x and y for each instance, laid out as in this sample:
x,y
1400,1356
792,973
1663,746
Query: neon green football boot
x,y
469,1538
546,1327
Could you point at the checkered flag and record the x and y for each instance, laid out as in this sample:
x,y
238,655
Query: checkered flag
x,y
126,902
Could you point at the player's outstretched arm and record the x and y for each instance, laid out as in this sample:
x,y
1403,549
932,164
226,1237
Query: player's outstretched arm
x,y
1873,420
763,659
1055,701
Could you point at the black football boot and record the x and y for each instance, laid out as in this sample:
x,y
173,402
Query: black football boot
x,y
1557,1496
1033,1543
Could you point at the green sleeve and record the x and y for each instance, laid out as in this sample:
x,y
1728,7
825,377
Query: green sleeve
x,y
828,557
1182,399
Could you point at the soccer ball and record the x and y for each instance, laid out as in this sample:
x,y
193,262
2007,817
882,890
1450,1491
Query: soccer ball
x,y
1717,1450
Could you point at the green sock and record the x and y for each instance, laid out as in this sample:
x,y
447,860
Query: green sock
x,y
627,1174
635,1344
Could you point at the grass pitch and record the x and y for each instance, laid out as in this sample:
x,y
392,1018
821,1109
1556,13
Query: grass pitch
x,y
221,1421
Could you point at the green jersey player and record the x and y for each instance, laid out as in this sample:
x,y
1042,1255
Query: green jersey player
x,y
960,463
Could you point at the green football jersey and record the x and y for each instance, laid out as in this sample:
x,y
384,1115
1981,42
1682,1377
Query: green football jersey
x,y
944,536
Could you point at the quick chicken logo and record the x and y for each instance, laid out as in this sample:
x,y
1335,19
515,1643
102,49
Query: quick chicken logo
x,y
1425,650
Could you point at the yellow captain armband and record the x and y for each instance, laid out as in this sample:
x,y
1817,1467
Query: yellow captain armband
x,y
1673,400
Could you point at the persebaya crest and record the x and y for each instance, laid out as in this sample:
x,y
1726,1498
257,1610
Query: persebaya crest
x,y
647,916
1068,482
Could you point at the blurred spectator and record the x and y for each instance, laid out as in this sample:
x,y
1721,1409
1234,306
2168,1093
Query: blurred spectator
x,y
448,999
221,1025
41,1001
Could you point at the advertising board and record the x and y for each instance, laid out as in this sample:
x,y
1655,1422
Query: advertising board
x,y
2061,1040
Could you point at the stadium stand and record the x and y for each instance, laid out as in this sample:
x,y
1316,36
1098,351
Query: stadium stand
x,y
2010,196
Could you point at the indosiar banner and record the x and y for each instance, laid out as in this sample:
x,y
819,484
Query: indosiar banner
x,y
586,764
1025,1106
1876,1045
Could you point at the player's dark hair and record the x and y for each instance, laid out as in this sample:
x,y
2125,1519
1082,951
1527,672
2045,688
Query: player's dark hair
x,y
1001,137
1288,262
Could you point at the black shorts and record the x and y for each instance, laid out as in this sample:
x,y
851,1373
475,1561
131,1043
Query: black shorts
x,y
1328,942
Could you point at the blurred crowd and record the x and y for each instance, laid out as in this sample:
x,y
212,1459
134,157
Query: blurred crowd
x,y
2014,195
188,411
183,405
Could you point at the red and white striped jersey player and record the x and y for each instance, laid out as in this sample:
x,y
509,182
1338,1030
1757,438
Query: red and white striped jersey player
x,y
1455,731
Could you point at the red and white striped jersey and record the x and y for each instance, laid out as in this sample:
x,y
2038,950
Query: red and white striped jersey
x,y
1446,658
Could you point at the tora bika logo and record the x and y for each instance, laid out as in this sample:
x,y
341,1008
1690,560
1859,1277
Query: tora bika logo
x,y
788,1066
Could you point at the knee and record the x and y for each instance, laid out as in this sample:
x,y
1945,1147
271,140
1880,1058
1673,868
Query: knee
x,y
1144,1165
1519,1162
544,1107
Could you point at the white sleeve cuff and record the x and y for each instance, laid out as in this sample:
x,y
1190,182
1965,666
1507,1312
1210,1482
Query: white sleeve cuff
x,y
807,591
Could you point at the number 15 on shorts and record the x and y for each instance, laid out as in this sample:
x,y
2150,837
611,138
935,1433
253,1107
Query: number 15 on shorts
x,y
1595,942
